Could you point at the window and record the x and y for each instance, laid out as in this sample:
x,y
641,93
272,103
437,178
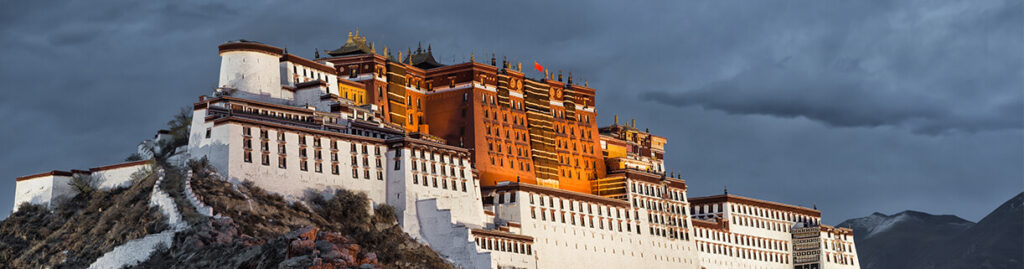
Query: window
x,y
248,156
266,159
281,162
208,132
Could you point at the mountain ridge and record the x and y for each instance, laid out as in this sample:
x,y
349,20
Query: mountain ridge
x,y
915,239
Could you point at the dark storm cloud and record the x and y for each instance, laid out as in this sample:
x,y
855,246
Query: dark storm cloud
x,y
740,89
911,65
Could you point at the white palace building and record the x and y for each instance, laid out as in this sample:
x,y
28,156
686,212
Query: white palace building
x,y
297,126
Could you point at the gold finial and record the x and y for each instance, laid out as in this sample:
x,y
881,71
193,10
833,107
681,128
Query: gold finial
x,y
632,123
472,58
519,66
546,74
349,34
372,48
357,32
386,51
586,84
570,77
616,119
399,56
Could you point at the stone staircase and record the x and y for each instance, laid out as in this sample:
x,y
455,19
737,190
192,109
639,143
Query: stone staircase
x,y
450,239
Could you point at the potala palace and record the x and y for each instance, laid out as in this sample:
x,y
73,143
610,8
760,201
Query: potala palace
x,y
489,167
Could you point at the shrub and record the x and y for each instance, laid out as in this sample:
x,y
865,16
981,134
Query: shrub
x,y
85,184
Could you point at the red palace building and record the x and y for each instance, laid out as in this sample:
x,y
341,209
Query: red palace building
x,y
533,131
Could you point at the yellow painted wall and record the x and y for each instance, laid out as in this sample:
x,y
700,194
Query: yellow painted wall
x,y
356,94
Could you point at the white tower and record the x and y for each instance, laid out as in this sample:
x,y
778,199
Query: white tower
x,y
251,67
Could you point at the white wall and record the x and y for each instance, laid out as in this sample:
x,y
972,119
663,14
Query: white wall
x,y
251,71
311,96
403,192
117,177
593,247
225,151
215,148
34,191
50,189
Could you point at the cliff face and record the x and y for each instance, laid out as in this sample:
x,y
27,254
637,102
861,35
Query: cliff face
x,y
912,239
250,229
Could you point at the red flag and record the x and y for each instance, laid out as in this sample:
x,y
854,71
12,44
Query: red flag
x,y
538,67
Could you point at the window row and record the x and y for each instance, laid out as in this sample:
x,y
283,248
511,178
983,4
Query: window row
x,y
743,253
446,170
282,162
504,245
583,220
744,240
443,158
578,206
444,183
302,140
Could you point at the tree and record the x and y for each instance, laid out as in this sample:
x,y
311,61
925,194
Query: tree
x,y
85,184
179,126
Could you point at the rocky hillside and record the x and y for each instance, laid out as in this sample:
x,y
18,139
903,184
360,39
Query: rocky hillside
x,y
80,230
250,228
912,239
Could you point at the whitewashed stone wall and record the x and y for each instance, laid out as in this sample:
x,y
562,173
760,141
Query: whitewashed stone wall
x,y
118,177
251,71
590,247
41,190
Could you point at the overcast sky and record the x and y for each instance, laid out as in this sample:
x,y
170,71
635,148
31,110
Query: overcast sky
x,y
855,106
